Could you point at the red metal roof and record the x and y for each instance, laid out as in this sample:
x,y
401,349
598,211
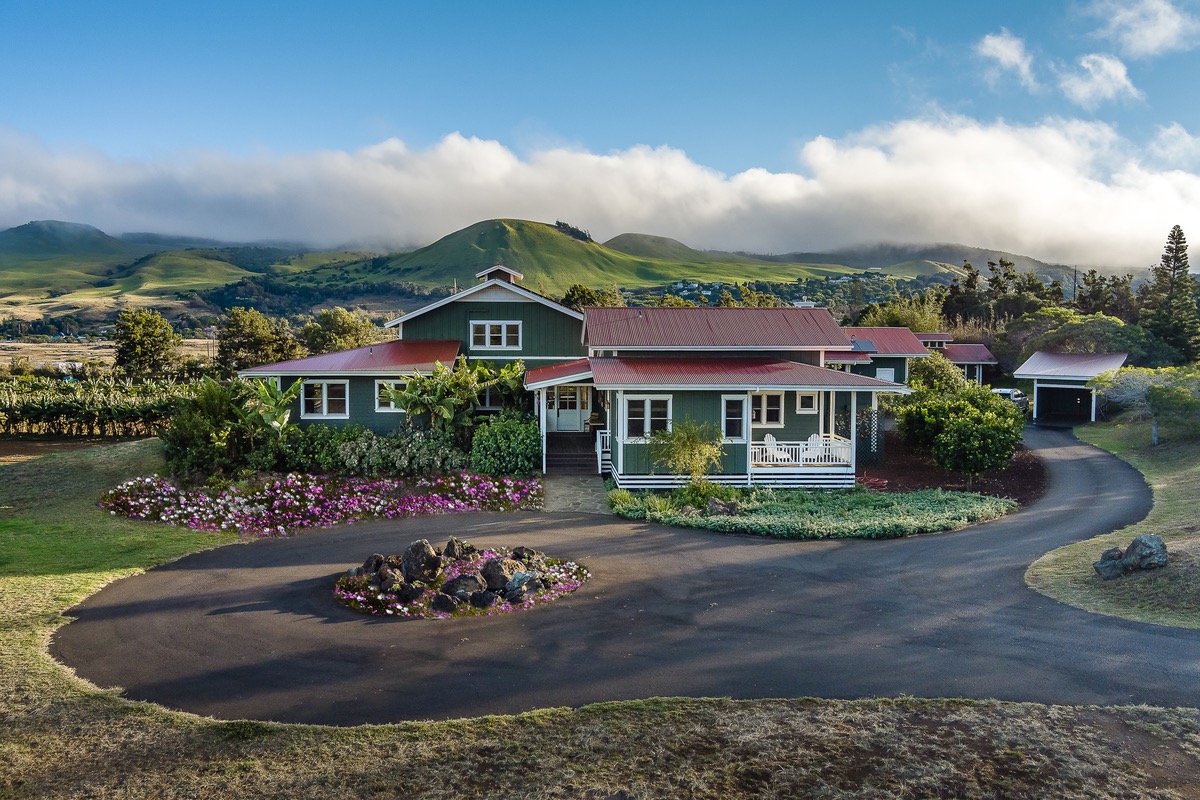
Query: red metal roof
x,y
968,354
725,373
558,372
850,357
389,358
934,337
707,328
890,341
1079,366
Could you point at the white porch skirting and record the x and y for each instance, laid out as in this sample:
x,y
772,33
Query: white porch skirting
x,y
836,478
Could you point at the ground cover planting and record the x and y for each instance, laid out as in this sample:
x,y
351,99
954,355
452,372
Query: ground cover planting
x,y
282,505
64,738
1166,596
788,514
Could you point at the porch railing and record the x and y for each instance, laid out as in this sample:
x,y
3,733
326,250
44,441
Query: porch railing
x,y
817,450
603,450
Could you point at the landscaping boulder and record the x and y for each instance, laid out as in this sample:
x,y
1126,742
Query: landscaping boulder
x,y
497,572
516,595
718,507
532,559
530,581
408,592
468,582
372,564
420,562
1147,551
458,550
444,604
483,599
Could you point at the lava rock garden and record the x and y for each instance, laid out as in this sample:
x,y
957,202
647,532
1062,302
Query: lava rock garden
x,y
457,580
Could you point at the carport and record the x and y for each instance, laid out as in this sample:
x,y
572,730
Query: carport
x,y
1060,390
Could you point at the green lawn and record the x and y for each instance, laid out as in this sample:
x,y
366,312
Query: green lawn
x,y
62,738
1170,596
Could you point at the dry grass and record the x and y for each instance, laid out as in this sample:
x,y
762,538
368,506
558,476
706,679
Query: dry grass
x,y
62,738
1168,596
47,353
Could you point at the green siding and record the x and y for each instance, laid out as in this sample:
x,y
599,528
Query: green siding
x,y
706,406
361,396
900,365
544,331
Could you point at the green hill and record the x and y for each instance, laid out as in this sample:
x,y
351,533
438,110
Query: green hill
x,y
660,247
552,261
51,238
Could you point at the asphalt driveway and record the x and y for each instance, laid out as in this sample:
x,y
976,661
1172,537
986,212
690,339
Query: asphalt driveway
x,y
252,631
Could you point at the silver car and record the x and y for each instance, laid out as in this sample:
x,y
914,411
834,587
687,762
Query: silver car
x,y
1016,396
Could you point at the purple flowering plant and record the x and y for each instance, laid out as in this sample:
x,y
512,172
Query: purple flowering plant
x,y
559,578
282,506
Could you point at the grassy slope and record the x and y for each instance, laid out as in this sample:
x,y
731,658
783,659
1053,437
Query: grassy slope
x,y
62,738
1170,596
552,261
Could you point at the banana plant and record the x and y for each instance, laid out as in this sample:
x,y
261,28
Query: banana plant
x,y
272,405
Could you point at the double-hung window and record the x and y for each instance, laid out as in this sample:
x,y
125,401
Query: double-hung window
x,y
766,409
383,397
325,400
733,417
500,335
646,415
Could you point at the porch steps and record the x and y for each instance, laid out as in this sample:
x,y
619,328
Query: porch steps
x,y
570,463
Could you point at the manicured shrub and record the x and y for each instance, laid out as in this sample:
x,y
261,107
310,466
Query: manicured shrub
x,y
510,444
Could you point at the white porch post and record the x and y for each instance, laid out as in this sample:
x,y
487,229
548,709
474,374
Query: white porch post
x,y
615,438
853,430
541,401
1093,405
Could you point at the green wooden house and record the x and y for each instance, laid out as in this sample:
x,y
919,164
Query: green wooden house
x,y
604,380
759,374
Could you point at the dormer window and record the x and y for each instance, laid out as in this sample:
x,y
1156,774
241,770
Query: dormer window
x,y
500,335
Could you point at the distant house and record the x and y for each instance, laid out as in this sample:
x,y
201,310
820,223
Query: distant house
x,y
889,352
972,359
1060,390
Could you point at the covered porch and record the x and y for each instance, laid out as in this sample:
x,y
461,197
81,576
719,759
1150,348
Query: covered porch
x,y
783,423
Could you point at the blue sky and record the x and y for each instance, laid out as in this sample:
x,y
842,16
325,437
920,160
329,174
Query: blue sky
x,y
1062,130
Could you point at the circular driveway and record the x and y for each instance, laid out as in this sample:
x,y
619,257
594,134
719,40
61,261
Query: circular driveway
x,y
252,631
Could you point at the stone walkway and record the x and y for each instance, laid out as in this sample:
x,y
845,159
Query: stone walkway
x,y
582,494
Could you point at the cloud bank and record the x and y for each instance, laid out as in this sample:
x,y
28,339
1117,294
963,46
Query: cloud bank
x,y
1063,190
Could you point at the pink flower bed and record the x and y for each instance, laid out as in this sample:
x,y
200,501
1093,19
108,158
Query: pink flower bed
x,y
284,505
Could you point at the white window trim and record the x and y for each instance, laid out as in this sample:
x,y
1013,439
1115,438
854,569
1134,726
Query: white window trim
x,y
645,400
745,401
891,377
503,334
816,406
324,384
391,384
756,400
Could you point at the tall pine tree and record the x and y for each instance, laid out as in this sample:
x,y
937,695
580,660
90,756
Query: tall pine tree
x,y
1169,303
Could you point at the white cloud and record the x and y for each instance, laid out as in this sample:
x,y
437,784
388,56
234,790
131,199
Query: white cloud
x,y
1063,190
1009,54
1146,28
1175,148
1103,78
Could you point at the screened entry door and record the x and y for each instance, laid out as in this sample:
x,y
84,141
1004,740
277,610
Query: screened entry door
x,y
567,407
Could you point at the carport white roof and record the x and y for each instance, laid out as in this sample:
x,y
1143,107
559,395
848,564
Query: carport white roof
x,y
1073,366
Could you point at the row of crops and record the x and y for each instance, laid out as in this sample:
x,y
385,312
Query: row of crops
x,y
97,407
